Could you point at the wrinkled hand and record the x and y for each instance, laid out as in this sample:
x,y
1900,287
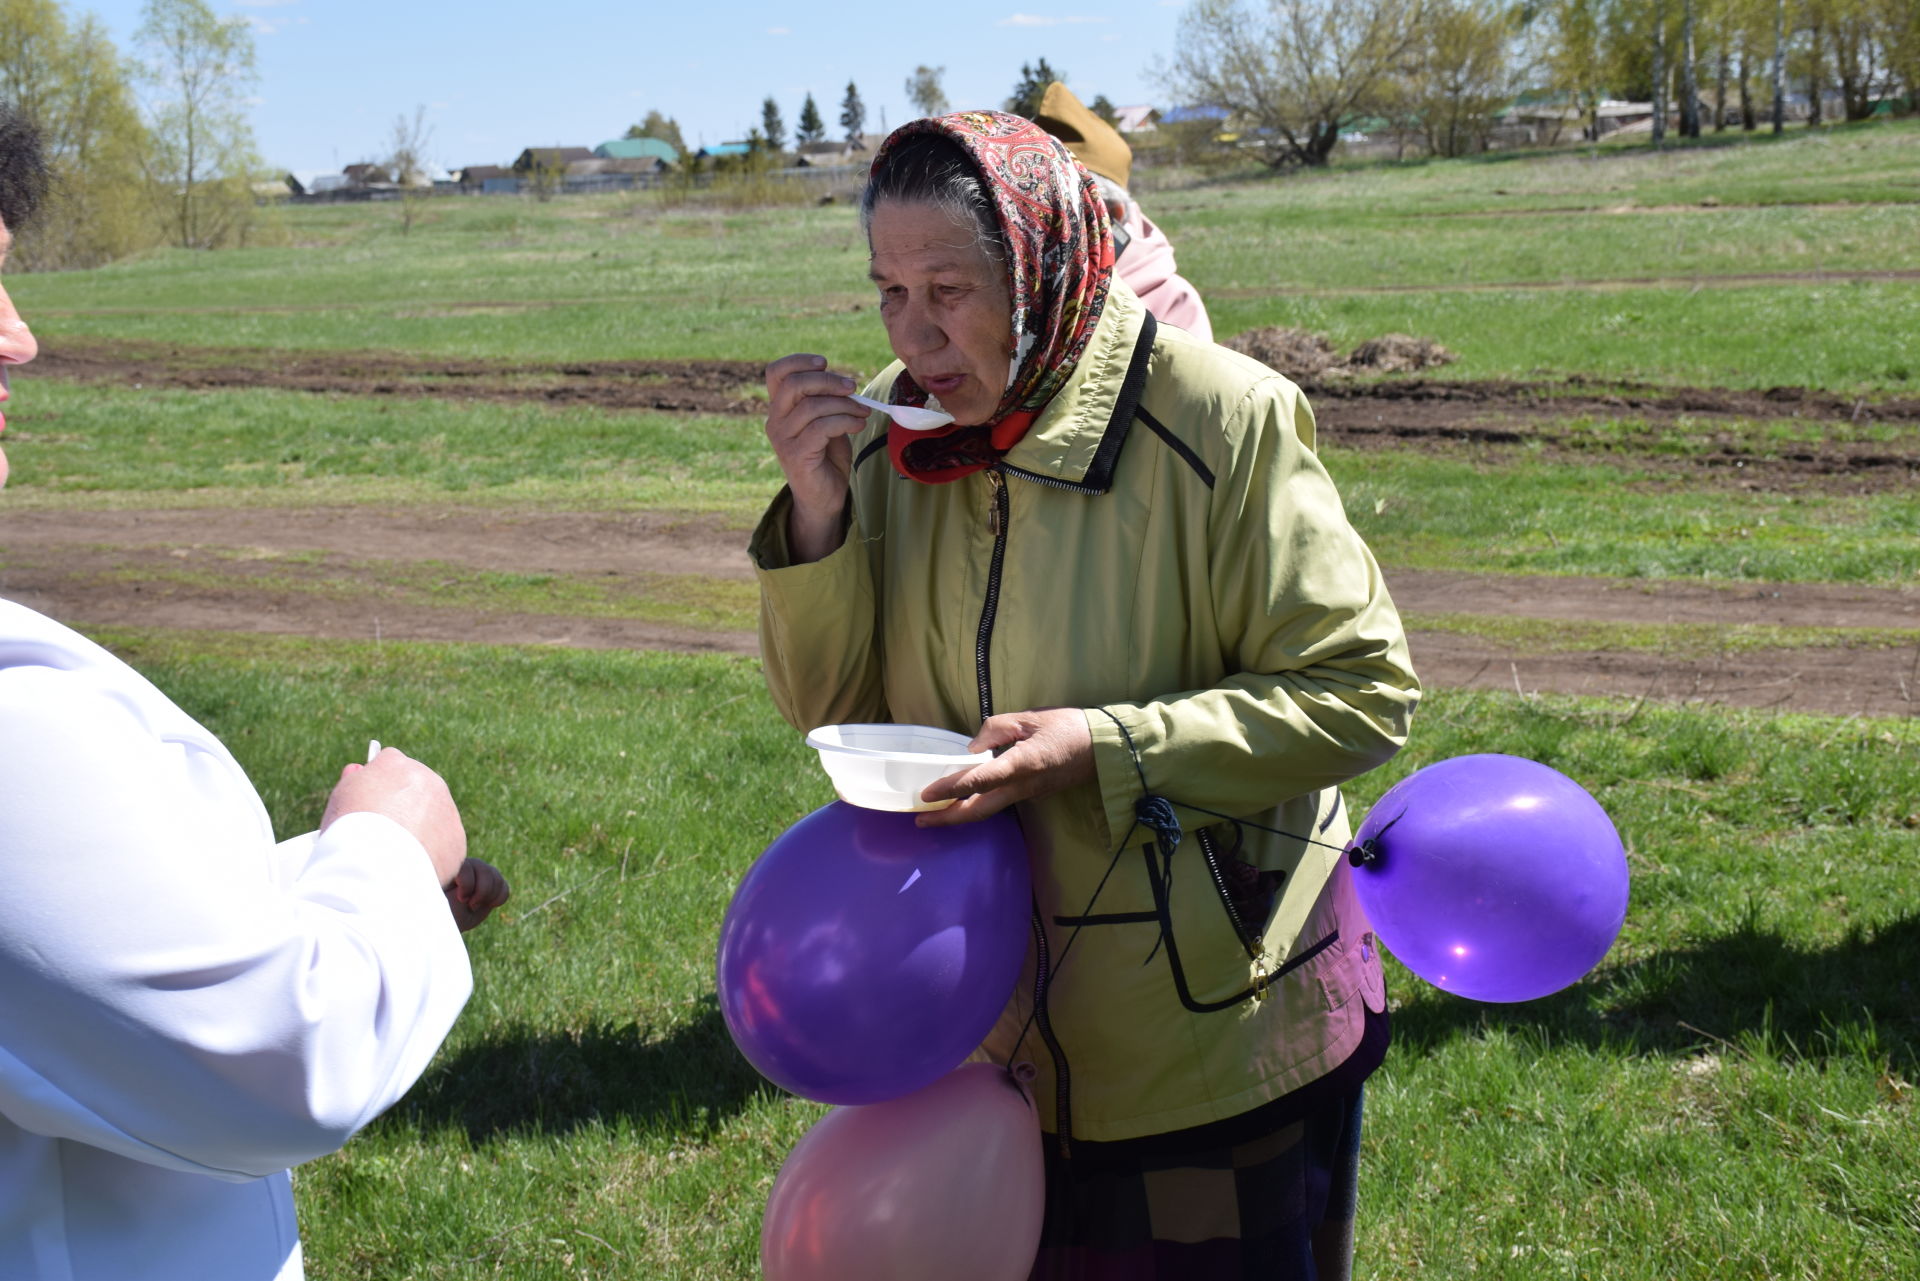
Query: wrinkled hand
x,y
396,785
478,888
808,421
1047,750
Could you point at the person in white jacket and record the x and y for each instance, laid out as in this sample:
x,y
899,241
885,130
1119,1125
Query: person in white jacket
x,y
186,1008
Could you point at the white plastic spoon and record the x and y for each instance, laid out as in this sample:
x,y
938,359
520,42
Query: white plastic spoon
x,y
912,417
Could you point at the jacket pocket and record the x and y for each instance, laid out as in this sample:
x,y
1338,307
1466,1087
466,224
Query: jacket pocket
x,y
1245,978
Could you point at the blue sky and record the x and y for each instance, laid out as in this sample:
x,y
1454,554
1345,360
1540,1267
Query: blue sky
x,y
498,76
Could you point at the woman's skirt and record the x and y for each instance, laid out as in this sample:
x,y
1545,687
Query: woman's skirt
x,y
1278,1207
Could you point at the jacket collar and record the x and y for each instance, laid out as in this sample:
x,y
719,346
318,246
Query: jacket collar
x,y
1075,443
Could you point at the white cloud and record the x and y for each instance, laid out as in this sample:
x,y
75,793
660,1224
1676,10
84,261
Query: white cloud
x,y
779,31
1043,20
273,26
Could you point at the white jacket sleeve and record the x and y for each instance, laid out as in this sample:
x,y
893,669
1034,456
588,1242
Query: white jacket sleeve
x,y
175,989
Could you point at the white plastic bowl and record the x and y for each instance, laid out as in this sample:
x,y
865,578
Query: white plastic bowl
x,y
886,767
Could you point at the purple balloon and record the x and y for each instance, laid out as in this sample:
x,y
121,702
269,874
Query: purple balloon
x,y
863,957
1493,877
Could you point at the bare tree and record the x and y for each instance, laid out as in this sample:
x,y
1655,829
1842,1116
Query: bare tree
x,y
1290,73
924,91
407,160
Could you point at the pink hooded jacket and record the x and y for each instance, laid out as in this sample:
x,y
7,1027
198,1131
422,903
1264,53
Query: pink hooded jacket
x,y
1148,268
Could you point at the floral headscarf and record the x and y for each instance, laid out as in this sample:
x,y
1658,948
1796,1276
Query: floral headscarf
x,y
1060,263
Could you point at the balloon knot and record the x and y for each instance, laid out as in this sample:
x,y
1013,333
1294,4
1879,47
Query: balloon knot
x,y
1156,813
1365,854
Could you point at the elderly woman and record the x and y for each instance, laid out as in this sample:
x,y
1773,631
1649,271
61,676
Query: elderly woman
x,y
1122,568
187,1008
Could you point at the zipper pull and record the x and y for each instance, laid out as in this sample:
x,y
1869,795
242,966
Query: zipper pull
x,y
1262,975
995,484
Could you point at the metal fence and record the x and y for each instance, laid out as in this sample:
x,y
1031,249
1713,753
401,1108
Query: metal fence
x,y
828,179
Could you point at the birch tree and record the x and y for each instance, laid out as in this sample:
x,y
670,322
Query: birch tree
x,y
198,70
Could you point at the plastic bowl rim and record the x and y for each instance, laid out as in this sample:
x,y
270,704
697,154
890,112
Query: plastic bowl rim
x,y
881,753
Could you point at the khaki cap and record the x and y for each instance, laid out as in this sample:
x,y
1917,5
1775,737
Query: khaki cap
x,y
1093,142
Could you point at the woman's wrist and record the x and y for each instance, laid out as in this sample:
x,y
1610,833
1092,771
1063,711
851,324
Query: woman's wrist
x,y
815,530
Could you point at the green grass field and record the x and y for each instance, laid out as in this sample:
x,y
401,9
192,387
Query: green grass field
x,y
619,276
1730,1095
90,446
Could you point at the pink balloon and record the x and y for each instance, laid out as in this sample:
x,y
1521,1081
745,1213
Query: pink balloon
x,y
944,1184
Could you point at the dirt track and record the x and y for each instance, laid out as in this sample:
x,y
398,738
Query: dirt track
x,y
708,387
1414,413
85,567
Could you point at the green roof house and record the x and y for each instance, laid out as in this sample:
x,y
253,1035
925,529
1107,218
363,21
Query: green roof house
x,y
638,149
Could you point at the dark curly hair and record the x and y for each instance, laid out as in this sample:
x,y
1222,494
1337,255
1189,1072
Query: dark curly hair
x,y
23,168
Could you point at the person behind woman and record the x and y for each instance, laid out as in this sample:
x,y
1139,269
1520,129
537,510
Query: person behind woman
x,y
1143,254
187,1009
1125,572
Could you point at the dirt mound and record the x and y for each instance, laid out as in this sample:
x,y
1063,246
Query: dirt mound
x,y
1300,355
1308,358
1399,354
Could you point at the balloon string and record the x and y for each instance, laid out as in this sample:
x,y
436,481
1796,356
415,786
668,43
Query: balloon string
x,y
1119,848
1157,811
1085,912
1156,814
1239,823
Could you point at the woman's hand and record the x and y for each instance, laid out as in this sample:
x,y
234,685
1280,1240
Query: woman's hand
x,y
396,785
1046,750
808,421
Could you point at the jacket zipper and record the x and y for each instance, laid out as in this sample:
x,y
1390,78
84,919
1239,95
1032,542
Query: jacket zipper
x,y
1256,952
998,508
1050,482
996,525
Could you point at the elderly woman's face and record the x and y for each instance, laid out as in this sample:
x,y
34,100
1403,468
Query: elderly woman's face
x,y
16,342
946,305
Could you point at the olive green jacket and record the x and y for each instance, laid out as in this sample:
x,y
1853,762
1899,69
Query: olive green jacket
x,y
1163,549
